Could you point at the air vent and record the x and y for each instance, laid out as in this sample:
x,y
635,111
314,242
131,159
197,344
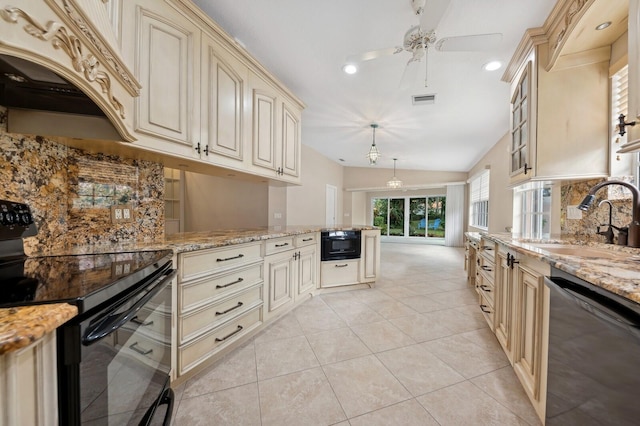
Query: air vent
x,y
424,99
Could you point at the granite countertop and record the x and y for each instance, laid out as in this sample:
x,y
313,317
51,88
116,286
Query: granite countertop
x,y
191,241
617,274
21,326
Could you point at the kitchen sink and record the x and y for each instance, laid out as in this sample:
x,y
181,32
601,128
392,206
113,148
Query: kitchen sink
x,y
583,251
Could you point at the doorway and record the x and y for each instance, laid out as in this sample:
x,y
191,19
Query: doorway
x,y
410,218
332,201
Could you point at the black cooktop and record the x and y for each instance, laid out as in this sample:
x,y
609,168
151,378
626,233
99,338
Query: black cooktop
x,y
82,280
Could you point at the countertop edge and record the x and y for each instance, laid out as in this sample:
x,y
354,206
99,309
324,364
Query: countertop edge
x,y
24,325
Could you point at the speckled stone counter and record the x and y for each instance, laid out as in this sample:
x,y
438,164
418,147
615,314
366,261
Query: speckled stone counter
x,y
21,326
619,275
191,241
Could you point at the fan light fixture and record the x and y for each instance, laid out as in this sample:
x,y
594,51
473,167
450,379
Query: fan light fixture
x,y
373,154
350,69
394,183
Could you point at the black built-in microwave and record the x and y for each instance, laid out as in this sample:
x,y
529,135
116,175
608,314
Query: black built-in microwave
x,y
340,245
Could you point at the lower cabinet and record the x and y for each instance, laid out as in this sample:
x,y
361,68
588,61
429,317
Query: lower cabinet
x,y
339,272
521,320
280,271
370,255
28,384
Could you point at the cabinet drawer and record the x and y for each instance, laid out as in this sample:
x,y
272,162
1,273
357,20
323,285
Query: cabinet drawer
x,y
341,272
203,262
201,292
487,290
209,317
201,349
278,245
488,311
306,240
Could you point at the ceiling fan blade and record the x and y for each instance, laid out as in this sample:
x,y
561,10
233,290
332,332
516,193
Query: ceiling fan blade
x,y
373,54
477,42
432,14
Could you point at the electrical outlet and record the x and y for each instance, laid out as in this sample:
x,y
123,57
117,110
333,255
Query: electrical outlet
x,y
121,213
277,215
573,212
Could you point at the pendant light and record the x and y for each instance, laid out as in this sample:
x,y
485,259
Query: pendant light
x,y
394,183
373,154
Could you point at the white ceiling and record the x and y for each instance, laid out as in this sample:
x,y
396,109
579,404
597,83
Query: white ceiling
x,y
305,44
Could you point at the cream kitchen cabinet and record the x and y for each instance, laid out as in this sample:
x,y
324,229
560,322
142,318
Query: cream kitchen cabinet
x,y
633,38
370,255
521,318
276,135
485,280
559,117
164,45
292,267
28,384
219,301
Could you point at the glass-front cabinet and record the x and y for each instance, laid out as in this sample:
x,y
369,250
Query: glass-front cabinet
x,y
521,164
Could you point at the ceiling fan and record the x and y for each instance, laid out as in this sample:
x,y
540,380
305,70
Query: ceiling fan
x,y
420,38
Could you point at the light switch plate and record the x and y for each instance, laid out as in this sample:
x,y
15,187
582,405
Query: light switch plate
x,y
573,212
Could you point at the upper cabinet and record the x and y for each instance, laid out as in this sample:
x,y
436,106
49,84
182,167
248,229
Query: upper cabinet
x,y
633,137
203,98
560,123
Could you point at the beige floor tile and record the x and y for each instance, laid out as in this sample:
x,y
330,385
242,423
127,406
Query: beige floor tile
x,y
369,296
363,385
233,407
337,345
237,368
418,370
465,404
382,336
287,326
421,327
422,303
317,320
303,398
284,356
504,387
407,413
466,357
398,292
454,298
357,313
459,321
392,309
424,288
485,338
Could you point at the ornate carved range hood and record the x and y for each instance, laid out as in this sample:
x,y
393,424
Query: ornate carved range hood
x,y
61,56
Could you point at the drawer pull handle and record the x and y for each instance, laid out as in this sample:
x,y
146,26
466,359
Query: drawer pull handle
x,y
482,308
304,240
486,268
134,347
282,245
342,266
485,288
239,280
487,248
135,320
230,258
238,330
230,309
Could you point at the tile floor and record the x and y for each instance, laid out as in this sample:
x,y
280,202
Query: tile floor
x,y
414,350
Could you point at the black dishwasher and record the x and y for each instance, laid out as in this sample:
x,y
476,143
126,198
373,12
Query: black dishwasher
x,y
594,355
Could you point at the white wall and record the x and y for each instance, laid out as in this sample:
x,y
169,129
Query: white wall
x,y
500,195
219,203
306,204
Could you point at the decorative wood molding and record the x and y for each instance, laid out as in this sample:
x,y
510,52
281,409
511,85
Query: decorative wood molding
x,y
88,64
575,8
532,38
83,26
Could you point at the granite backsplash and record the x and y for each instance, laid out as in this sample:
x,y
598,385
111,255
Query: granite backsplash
x,y
70,192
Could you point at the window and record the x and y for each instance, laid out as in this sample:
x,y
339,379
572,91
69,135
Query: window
x,y
479,201
520,123
421,216
534,202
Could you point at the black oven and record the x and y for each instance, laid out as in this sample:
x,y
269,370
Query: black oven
x,y
114,357
340,245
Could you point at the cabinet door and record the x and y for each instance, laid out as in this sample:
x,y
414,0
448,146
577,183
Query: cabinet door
x,y
164,44
222,104
520,161
264,124
307,270
281,280
290,141
504,305
370,255
527,354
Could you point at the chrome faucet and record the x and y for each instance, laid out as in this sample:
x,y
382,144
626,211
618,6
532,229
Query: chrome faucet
x,y
633,239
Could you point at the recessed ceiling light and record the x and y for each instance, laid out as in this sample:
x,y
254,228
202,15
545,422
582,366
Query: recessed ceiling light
x,y
603,25
492,66
350,69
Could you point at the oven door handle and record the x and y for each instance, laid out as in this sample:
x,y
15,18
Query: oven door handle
x,y
167,398
112,322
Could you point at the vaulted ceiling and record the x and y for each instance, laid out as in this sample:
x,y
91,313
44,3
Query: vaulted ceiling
x,y
305,44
